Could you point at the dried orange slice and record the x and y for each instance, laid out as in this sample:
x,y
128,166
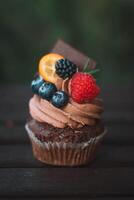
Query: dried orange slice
x,y
47,67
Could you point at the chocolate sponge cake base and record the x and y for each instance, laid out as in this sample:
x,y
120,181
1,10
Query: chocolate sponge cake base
x,y
64,147
48,133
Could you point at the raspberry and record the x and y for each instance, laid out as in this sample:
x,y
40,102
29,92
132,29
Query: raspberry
x,y
83,87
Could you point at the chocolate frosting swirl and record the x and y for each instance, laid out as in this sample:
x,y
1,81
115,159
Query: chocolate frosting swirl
x,y
73,114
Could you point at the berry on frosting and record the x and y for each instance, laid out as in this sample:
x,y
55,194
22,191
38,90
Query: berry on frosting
x,y
65,68
47,90
36,83
83,87
60,99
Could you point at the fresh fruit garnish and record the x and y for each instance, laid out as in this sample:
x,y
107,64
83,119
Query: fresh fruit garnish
x,y
65,68
47,90
36,83
83,87
47,67
60,99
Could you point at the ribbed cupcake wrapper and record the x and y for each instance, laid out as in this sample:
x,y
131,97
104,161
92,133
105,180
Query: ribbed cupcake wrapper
x,y
65,154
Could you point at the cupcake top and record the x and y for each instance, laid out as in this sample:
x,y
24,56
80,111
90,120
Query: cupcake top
x,y
65,94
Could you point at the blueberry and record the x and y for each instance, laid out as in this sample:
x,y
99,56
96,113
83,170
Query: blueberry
x,y
36,83
60,99
47,90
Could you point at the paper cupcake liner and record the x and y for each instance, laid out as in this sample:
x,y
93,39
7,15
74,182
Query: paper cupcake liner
x,y
65,154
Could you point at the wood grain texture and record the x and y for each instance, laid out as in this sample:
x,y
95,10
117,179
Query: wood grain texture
x,y
14,135
108,157
110,176
65,182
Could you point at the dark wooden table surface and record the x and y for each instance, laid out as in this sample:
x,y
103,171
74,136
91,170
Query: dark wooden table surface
x,y
110,176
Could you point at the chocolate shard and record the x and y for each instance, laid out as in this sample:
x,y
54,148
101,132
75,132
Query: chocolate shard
x,y
72,54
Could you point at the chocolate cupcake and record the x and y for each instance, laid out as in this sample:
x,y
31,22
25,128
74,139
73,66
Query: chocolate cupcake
x,y
65,125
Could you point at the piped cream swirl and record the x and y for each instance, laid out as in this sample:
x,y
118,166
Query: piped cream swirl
x,y
73,114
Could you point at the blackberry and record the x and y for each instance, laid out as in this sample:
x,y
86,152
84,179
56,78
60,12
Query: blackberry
x,y
65,68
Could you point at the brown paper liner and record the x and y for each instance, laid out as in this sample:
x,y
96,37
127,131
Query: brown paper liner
x,y
65,154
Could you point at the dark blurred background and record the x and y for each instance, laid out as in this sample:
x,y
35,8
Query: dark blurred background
x,y
103,29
